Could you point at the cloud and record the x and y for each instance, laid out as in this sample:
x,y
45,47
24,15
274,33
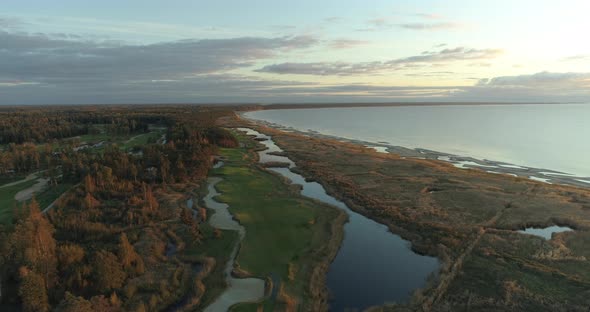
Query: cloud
x,y
431,26
365,29
432,74
434,22
379,22
580,57
47,59
206,88
10,23
541,80
42,68
322,68
542,87
366,92
283,27
344,68
429,16
228,88
346,43
376,24
333,19
480,64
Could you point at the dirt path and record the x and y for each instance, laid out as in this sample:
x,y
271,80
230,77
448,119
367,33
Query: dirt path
x,y
446,279
135,137
57,199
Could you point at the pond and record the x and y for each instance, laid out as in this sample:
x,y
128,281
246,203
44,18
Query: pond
x,y
546,232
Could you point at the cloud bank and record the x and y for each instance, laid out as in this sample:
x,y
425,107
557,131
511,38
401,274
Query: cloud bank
x,y
344,68
37,68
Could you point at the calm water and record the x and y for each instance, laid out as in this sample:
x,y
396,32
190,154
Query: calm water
x,y
373,265
549,136
546,232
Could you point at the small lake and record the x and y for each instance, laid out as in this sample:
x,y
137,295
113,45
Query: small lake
x,y
546,232
373,265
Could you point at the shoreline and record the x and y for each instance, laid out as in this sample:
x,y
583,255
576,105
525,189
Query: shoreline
x,y
542,175
505,221
416,244
349,214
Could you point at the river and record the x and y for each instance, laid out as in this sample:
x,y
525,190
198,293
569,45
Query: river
x,y
373,265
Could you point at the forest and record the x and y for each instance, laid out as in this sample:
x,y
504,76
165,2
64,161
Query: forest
x,y
110,241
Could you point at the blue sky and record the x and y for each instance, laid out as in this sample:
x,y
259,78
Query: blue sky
x,y
293,51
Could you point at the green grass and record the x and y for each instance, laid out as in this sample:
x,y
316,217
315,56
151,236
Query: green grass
x,y
95,138
47,196
141,139
275,221
7,201
282,227
5,179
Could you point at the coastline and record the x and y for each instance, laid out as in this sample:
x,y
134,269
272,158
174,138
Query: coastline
x,y
542,175
320,274
468,236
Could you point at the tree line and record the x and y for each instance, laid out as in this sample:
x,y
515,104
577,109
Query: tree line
x,y
80,256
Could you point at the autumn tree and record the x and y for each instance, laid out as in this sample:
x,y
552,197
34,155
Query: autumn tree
x,y
34,245
69,254
32,293
71,303
203,214
186,216
108,272
89,185
131,261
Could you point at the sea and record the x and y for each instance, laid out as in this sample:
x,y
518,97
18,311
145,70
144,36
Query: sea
x,y
555,137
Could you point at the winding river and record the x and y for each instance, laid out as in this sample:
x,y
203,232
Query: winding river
x,y
373,265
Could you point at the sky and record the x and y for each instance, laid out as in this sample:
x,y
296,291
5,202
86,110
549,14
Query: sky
x,y
262,51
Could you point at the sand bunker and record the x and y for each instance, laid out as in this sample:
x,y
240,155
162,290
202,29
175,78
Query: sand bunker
x,y
28,193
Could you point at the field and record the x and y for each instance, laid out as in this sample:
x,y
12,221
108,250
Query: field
x,y
44,197
7,201
287,236
124,142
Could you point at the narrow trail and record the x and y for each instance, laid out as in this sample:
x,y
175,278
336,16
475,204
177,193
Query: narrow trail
x,y
446,280
57,199
239,289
